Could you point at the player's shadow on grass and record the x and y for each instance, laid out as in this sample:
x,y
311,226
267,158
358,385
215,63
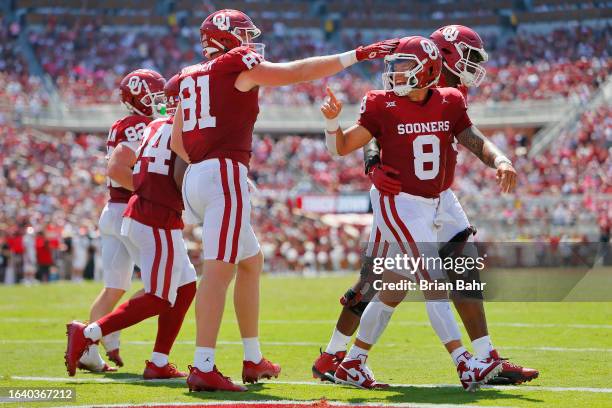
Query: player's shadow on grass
x,y
394,394
442,395
438,395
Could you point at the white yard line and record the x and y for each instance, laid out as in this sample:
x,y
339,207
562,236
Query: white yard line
x,y
93,379
293,403
315,321
318,344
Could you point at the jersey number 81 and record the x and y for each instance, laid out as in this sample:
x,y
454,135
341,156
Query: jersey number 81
x,y
191,118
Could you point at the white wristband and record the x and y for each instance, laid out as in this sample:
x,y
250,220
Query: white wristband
x,y
331,125
501,159
330,143
348,58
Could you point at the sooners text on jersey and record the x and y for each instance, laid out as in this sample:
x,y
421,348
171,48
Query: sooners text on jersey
x,y
415,138
127,131
157,200
218,119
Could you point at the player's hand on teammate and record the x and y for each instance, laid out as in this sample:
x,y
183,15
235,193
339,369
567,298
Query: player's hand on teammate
x,y
506,177
332,107
376,50
383,178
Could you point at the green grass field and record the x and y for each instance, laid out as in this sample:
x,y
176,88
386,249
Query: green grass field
x,y
570,343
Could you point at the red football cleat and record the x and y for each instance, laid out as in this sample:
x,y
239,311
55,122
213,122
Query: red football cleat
x,y
153,372
512,374
211,381
326,365
114,356
357,373
105,368
77,345
251,372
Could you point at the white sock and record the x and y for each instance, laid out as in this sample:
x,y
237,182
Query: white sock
x,y
91,358
443,321
355,352
482,347
159,359
373,322
111,341
204,359
338,342
252,350
460,354
93,332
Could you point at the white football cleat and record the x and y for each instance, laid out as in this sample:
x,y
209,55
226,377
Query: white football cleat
x,y
474,372
355,372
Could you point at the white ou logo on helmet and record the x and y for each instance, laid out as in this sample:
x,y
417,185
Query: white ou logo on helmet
x,y
222,21
450,33
135,85
430,49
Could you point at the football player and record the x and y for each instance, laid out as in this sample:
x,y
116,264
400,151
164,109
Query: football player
x,y
463,54
139,90
153,226
213,132
411,118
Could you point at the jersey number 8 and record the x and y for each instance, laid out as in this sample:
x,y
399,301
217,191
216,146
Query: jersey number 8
x,y
421,157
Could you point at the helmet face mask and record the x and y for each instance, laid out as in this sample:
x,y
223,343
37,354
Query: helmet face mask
x,y
468,68
400,74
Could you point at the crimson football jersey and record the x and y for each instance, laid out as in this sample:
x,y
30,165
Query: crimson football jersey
x,y
415,138
127,131
218,119
451,157
157,200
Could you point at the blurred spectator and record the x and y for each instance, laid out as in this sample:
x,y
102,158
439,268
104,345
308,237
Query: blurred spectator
x,y
44,256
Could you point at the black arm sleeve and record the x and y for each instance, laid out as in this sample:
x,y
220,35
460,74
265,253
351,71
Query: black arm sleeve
x,y
371,155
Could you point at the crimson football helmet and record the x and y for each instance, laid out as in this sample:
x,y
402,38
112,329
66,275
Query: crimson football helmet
x,y
141,91
226,29
463,53
415,64
171,91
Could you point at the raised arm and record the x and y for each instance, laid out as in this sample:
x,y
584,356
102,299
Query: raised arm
x,y
473,139
120,165
339,142
309,69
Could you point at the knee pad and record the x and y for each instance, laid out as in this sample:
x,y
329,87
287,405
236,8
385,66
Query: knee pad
x,y
363,290
460,247
457,243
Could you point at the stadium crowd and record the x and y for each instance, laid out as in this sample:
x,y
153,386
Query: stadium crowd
x,y
87,62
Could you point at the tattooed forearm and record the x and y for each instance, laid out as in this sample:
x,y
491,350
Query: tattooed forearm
x,y
477,143
371,155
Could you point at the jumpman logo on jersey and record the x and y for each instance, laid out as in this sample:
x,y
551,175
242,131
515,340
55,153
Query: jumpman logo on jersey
x,y
390,104
444,99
